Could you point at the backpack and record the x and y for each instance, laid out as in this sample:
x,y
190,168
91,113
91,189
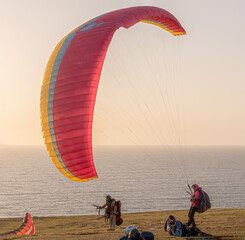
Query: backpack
x,y
147,235
177,229
119,220
204,202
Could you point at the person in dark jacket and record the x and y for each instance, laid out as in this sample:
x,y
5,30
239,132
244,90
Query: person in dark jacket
x,y
194,203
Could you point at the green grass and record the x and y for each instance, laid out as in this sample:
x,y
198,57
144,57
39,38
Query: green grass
x,y
221,223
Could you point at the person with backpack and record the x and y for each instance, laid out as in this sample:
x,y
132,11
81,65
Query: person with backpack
x,y
174,227
110,211
179,229
199,203
194,201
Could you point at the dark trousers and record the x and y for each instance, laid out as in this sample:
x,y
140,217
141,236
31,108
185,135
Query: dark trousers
x,y
191,216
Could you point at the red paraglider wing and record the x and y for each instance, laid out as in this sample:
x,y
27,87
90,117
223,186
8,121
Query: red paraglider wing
x,y
70,86
27,227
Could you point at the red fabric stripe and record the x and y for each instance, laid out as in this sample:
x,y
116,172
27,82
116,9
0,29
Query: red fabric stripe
x,y
77,82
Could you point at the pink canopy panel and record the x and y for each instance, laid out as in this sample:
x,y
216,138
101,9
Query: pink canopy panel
x,y
71,81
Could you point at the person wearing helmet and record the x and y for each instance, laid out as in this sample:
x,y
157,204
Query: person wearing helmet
x,y
169,224
172,219
129,228
194,202
134,234
179,229
110,211
131,232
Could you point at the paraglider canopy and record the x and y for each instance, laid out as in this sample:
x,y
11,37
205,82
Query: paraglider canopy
x,y
70,85
26,228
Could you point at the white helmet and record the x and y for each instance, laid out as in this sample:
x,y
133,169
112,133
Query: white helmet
x,y
129,228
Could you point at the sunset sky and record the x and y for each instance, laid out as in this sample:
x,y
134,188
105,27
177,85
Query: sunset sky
x,y
203,72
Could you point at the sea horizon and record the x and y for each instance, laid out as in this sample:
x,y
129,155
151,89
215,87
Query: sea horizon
x,y
154,177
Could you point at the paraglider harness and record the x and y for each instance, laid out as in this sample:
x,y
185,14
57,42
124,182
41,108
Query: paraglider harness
x,y
203,202
119,220
108,211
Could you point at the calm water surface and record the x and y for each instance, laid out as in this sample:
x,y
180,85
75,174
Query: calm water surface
x,y
143,178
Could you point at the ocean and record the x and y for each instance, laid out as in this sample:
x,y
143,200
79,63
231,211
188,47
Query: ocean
x,y
144,178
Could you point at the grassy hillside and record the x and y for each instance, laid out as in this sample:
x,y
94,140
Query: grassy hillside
x,y
222,223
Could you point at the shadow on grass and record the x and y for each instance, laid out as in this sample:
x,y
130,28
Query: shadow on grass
x,y
88,233
211,238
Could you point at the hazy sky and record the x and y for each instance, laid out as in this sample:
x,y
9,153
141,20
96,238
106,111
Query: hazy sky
x,y
203,72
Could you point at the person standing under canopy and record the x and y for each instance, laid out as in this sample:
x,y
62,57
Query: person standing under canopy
x,y
194,203
110,211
